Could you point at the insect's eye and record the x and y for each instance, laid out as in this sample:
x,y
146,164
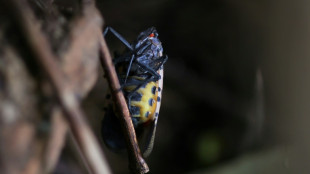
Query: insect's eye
x,y
152,35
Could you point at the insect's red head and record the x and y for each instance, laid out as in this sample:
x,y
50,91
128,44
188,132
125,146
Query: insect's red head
x,y
152,35
149,33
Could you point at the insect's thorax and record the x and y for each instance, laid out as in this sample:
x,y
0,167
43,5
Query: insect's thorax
x,y
149,49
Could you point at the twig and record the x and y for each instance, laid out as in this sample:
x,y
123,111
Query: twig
x,y
137,163
42,52
56,140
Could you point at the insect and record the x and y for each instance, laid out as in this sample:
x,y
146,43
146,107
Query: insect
x,y
140,72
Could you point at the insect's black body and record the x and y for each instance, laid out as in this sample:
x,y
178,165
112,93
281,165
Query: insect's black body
x,y
140,72
146,52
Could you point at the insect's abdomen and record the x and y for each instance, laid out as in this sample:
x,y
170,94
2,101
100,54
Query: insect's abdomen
x,y
143,103
143,111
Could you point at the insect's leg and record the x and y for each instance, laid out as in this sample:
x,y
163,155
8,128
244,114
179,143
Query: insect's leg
x,y
141,49
150,70
165,60
133,57
117,35
155,76
129,67
160,62
118,60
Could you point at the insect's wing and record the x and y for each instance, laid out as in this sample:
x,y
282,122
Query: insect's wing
x,y
149,138
150,130
113,137
111,131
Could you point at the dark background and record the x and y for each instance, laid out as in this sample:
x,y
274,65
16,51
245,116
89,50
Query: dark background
x,y
235,96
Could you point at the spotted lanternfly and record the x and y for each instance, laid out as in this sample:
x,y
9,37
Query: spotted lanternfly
x,y
140,71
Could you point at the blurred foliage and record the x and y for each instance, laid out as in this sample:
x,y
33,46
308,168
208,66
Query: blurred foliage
x,y
208,148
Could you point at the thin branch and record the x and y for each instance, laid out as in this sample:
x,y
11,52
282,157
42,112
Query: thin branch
x,y
137,163
56,140
45,57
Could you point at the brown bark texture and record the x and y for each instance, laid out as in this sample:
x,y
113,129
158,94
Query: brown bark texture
x,y
48,64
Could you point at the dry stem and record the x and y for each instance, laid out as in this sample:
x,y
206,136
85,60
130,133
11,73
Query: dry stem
x,y
137,163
